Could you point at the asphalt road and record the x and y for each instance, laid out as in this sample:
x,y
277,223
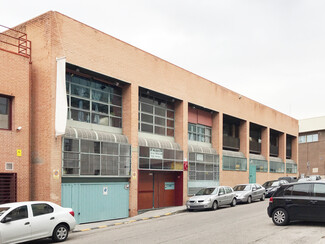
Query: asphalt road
x,y
245,223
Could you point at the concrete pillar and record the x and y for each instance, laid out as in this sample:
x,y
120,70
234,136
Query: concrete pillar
x,y
282,146
265,147
130,129
217,138
181,136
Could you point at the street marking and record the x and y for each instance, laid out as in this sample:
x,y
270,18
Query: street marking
x,y
85,229
166,214
118,223
103,226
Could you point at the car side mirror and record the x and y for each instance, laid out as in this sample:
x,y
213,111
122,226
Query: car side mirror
x,y
6,220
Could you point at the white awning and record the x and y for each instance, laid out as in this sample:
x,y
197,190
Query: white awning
x,y
146,142
256,156
88,134
233,154
201,149
276,159
290,161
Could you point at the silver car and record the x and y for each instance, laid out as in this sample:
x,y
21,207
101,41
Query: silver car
x,y
212,198
249,192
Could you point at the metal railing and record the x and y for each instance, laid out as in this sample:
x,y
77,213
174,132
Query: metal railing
x,y
15,41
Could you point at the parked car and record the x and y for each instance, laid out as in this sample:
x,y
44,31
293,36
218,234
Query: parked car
x,y
272,185
249,192
26,221
212,198
289,178
298,201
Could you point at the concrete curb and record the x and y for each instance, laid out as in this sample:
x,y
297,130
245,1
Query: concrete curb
x,y
128,222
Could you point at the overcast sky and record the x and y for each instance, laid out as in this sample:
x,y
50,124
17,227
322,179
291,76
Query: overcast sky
x,y
272,51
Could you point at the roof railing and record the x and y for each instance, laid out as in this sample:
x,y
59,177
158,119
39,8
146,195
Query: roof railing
x,y
15,41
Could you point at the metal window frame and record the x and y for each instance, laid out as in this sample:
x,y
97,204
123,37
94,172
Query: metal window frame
x,y
109,104
100,159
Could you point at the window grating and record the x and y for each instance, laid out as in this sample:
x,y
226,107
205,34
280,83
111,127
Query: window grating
x,y
88,158
92,101
198,132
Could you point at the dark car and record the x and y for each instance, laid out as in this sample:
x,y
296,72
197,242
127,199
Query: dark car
x,y
272,185
290,179
298,201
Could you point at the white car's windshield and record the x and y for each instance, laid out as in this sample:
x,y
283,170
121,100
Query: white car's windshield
x,y
2,210
277,183
242,188
205,191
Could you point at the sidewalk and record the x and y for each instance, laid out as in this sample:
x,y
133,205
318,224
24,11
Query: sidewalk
x,y
155,213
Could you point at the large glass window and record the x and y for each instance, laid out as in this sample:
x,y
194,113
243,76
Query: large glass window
x,y
198,132
234,163
5,109
85,157
160,159
291,168
156,115
92,101
203,171
308,138
276,167
261,165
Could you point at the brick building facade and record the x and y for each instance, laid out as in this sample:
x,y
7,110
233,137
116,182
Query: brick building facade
x,y
139,132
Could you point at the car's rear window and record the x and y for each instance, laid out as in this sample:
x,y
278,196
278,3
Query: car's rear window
x,y
319,190
242,188
2,210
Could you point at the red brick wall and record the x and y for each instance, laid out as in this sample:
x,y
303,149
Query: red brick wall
x,y
14,80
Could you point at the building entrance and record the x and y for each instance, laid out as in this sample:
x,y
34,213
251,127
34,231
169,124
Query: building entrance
x,y
159,189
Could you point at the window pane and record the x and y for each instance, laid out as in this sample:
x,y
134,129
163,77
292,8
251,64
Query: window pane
x,y
99,119
116,111
170,132
109,165
160,121
170,123
80,115
147,118
100,108
116,100
40,209
144,163
301,190
160,130
155,164
160,111
315,137
147,108
309,138
319,190
110,148
144,152
170,114
99,96
116,122
18,213
147,128
125,150
80,91
71,145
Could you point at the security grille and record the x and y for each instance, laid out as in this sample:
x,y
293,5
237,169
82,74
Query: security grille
x,y
8,188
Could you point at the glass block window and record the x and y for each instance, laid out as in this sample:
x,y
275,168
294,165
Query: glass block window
x,y
93,101
160,159
156,115
261,165
234,163
276,167
95,158
198,132
291,168
203,171
5,110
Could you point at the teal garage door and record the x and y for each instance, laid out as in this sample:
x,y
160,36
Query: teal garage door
x,y
96,201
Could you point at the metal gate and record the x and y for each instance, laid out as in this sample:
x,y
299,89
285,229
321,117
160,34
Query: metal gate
x,y
96,201
252,173
8,188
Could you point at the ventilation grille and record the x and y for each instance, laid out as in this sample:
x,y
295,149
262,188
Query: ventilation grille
x,y
9,166
8,188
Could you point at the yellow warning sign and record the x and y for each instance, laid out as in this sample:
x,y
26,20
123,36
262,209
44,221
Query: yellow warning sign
x,y
18,152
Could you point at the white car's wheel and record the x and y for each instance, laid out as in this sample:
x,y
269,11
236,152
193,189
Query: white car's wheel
x,y
233,202
60,233
249,200
263,197
214,205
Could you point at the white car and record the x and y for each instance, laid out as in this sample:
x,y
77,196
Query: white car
x,y
26,221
